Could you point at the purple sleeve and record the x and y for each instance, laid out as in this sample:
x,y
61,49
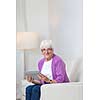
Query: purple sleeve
x,y
39,65
60,71
39,68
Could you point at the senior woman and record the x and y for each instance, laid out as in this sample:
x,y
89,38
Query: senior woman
x,y
51,68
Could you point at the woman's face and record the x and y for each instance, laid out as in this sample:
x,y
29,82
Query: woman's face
x,y
48,53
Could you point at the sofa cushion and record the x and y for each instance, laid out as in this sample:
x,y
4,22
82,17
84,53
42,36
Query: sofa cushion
x,y
76,74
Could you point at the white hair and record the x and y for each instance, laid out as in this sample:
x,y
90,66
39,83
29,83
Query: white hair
x,y
46,44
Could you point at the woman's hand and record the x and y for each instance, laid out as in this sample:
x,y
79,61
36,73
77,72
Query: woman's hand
x,y
43,77
29,78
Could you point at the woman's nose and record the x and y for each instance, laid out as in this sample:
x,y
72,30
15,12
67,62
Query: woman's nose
x,y
46,51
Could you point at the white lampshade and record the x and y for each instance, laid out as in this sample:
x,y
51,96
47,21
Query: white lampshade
x,y
27,40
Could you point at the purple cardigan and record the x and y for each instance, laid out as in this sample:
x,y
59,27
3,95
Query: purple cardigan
x,y
58,69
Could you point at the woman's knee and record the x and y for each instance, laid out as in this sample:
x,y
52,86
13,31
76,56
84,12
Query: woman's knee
x,y
28,89
36,89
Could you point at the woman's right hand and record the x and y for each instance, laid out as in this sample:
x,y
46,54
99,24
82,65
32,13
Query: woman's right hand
x,y
29,78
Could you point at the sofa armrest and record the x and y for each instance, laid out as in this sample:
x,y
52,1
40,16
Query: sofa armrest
x,y
62,91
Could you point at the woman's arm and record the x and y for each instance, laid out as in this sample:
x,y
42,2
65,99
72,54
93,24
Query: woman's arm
x,y
36,82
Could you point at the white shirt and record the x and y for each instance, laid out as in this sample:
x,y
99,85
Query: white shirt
x,y
46,69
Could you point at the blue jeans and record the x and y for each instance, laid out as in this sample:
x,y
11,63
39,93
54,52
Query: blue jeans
x,y
33,92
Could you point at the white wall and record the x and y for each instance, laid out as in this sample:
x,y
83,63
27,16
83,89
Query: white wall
x,y
65,26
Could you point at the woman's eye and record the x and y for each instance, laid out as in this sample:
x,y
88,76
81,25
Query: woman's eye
x,y
43,49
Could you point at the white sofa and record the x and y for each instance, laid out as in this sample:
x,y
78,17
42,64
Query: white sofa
x,y
65,91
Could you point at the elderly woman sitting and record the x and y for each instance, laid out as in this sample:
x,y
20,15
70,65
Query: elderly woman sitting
x,y
51,68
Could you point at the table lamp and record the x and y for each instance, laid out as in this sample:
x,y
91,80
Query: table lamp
x,y
27,41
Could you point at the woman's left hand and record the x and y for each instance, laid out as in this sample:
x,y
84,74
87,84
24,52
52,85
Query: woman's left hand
x,y
43,77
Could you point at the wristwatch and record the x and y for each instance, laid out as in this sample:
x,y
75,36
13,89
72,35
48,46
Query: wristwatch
x,y
48,82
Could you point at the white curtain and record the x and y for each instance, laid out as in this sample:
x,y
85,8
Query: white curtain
x,y
20,12
32,16
19,73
